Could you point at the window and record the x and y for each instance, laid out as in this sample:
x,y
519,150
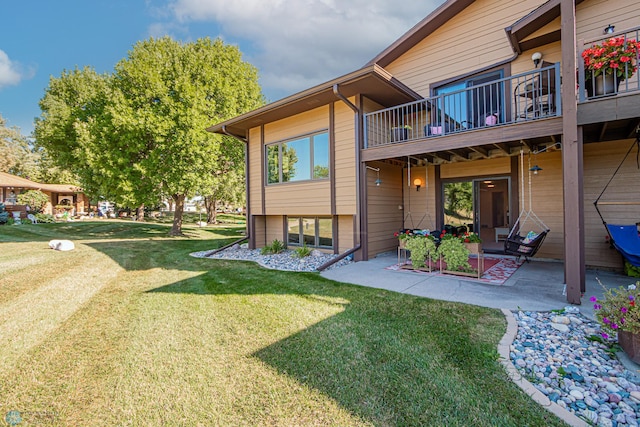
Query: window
x,y
310,231
468,103
298,159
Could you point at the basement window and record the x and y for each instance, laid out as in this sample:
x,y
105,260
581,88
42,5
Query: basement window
x,y
315,232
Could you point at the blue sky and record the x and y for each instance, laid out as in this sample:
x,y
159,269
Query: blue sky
x,y
295,44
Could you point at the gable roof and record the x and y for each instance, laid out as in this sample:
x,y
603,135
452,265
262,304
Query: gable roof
x,y
372,81
516,33
8,180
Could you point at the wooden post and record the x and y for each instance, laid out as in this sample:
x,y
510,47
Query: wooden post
x,y
572,160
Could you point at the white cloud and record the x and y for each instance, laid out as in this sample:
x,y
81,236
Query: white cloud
x,y
299,43
9,74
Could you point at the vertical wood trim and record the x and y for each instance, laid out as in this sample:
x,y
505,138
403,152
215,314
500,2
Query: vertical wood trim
x,y
332,157
252,237
263,171
247,185
572,174
514,197
438,191
335,230
361,182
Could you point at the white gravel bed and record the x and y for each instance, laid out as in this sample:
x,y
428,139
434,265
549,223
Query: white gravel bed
x,y
286,260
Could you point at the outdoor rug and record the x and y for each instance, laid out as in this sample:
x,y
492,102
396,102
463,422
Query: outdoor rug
x,y
496,270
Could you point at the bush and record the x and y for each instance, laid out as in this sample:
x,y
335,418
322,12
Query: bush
x,y
302,251
45,218
274,248
35,199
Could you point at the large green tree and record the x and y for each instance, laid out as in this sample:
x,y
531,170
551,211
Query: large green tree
x,y
16,156
140,132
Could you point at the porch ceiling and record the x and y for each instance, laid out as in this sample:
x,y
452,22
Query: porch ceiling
x,y
471,145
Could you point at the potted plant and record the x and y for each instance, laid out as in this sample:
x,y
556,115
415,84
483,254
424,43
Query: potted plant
x,y
619,314
472,242
422,247
402,236
400,133
455,255
609,63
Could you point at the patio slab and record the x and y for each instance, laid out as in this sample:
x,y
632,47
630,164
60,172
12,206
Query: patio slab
x,y
537,285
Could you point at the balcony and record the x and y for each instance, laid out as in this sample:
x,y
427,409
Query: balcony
x,y
625,80
522,98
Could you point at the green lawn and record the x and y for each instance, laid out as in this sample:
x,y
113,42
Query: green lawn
x,y
129,330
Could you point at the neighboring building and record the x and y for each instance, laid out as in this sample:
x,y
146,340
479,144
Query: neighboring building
x,y
62,197
457,99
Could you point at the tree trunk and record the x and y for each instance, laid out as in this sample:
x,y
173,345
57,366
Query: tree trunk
x,y
176,229
210,204
140,213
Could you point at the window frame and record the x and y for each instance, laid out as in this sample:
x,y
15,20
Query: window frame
x,y
310,137
301,234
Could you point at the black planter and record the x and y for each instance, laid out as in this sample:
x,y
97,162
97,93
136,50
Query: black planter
x,y
399,134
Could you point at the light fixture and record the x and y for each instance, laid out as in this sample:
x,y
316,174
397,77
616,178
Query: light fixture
x,y
378,181
418,183
536,58
535,169
610,29
491,185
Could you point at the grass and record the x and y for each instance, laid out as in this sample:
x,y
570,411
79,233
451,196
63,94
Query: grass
x,y
129,330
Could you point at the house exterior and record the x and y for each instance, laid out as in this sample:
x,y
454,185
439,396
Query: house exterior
x,y
457,105
62,197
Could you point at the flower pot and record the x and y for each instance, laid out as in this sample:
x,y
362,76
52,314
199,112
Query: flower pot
x,y
399,134
474,248
630,343
402,243
606,84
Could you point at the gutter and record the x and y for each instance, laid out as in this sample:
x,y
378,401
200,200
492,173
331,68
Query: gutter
x,y
358,137
338,258
215,251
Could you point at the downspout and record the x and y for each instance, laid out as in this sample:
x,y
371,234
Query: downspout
x,y
248,228
360,244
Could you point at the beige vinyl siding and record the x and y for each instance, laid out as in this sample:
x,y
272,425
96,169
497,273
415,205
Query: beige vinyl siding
x,y
600,162
473,39
256,170
551,53
419,210
299,198
592,16
345,159
546,202
384,217
346,236
299,124
275,229
304,197
260,231
497,166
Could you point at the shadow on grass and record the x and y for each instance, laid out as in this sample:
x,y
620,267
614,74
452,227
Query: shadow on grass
x,y
387,358
106,229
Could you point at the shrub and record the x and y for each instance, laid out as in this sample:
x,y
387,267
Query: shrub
x,y
302,251
455,254
45,218
420,247
35,199
274,247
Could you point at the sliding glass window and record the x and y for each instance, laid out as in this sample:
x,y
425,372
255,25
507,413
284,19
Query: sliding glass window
x,y
310,231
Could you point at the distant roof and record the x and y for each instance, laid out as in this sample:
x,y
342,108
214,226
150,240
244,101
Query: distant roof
x,y
8,180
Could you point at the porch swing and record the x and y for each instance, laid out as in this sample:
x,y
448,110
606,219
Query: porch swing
x,y
527,245
624,238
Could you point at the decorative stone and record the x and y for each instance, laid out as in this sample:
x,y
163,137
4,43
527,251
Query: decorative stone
x,y
61,245
560,327
577,394
564,320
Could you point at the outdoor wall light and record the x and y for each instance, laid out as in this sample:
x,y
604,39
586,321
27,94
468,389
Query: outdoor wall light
x,y
536,58
535,169
610,29
418,183
378,181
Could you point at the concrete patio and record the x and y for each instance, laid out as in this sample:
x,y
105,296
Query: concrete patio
x,y
537,285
